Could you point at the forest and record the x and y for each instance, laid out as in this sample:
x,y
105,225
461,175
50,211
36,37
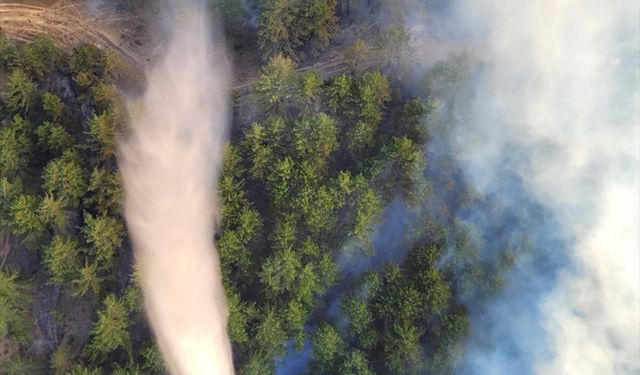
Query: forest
x,y
315,163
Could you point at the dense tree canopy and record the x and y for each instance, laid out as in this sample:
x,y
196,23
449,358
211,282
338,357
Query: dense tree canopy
x,y
60,195
288,26
315,162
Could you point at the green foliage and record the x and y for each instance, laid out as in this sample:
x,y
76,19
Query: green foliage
x,y
110,331
357,54
360,137
106,98
338,92
239,315
105,234
279,31
240,222
16,145
276,84
105,191
280,271
308,285
62,359
320,23
371,92
234,252
127,370
27,222
10,190
407,164
65,177
284,26
132,296
355,363
7,51
88,280
257,364
280,181
14,303
361,99
62,260
401,349
38,58
21,93
393,44
308,92
52,105
357,311
53,212
270,336
88,65
313,193
315,139
295,316
20,365
447,78
416,117
152,360
262,143
53,138
449,336
392,311
327,346
298,188
422,266
104,133
320,211
82,370
260,154
367,212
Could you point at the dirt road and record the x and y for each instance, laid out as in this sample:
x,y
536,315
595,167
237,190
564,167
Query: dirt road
x,y
70,22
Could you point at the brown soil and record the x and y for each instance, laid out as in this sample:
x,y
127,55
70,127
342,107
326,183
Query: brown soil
x,y
68,23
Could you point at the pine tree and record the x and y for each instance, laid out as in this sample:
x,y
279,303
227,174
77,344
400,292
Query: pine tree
x,y
21,91
110,332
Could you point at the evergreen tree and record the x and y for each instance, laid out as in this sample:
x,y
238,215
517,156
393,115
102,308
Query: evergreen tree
x,y
62,260
16,145
276,85
110,332
21,91
52,105
53,138
88,280
105,234
27,222
65,177
14,303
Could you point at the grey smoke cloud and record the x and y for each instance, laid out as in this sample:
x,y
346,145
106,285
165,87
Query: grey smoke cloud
x,y
560,95
170,166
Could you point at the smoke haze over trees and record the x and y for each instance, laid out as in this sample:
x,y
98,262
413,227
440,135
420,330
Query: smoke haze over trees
x,y
388,201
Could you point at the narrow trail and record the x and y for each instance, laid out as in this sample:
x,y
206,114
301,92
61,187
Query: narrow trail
x,y
69,22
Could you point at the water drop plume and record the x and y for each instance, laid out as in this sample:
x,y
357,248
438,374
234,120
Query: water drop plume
x,y
169,165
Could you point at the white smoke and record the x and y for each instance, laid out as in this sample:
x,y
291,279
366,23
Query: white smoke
x,y
170,165
561,86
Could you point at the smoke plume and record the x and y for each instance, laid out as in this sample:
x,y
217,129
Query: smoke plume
x,y
557,104
169,166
